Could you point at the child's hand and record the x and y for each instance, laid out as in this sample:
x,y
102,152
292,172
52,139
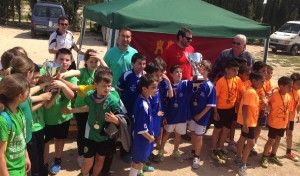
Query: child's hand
x,y
160,113
66,110
57,84
165,77
27,164
46,96
151,139
111,117
60,76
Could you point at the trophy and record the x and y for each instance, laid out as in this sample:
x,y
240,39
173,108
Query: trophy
x,y
52,69
195,59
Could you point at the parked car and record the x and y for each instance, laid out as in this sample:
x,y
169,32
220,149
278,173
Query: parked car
x,y
45,16
287,38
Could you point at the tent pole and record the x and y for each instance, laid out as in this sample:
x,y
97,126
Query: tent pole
x,y
82,31
267,41
112,39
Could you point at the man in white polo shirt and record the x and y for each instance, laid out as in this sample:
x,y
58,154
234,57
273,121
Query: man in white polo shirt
x,y
63,38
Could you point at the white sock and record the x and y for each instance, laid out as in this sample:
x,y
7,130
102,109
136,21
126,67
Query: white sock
x,y
133,172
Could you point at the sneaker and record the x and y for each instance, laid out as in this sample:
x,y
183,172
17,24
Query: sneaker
x,y
214,155
80,161
242,171
148,168
155,158
275,160
253,152
264,162
196,163
238,162
292,157
55,168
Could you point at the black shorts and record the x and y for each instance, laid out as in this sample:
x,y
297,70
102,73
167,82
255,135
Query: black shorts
x,y
274,132
250,134
57,131
104,148
291,126
227,117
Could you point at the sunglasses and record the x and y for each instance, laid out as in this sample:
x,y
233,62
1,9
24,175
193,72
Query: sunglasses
x,y
188,38
63,24
236,43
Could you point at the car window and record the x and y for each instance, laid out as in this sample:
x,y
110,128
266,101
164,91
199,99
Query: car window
x,y
40,11
55,12
290,28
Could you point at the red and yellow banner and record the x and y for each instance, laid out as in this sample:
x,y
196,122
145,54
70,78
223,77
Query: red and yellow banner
x,y
153,44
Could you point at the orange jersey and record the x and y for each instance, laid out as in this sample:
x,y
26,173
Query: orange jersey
x,y
251,99
295,103
280,107
227,92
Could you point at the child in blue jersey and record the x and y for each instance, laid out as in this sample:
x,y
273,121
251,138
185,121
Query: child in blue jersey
x,y
128,82
177,110
202,102
143,125
158,69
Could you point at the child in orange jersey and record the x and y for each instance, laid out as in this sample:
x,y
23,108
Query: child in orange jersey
x,y
247,118
280,107
295,94
227,88
271,85
263,94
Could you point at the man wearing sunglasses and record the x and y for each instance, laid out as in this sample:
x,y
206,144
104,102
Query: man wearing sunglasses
x,y
178,52
237,52
63,38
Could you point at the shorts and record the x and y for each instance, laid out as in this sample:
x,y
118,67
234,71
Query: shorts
x,y
274,132
250,134
262,119
179,128
196,128
291,126
59,131
227,117
104,148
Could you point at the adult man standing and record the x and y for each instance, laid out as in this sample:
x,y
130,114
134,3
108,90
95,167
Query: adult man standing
x,y
118,58
63,38
237,52
177,53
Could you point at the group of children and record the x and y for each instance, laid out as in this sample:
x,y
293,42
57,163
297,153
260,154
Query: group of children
x,y
38,108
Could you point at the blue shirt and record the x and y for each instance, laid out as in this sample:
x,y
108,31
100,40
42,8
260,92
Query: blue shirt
x,y
119,61
177,107
128,86
203,96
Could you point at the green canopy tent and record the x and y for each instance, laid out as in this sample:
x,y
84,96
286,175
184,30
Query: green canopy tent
x,y
167,16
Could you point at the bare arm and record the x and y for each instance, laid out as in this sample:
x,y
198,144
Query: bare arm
x,y
245,112
37,88
70,73
170,89
52,51
202,113
37,105
3,166
42,97
73,87
66,90
81,109
148,136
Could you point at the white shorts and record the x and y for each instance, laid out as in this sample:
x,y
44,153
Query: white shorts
x,y
196,128
179,128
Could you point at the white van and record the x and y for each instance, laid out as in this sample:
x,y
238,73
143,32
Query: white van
x,y
287,38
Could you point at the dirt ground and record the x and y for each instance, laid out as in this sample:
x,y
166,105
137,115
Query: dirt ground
x,y
37,50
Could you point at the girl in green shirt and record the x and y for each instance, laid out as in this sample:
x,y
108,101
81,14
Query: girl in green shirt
x,y
14,160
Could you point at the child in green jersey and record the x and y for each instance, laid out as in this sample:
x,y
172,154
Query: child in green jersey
x,y
14,160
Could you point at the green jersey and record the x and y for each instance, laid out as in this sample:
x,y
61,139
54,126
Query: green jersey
x,y
26,107
54,115
96,119
38,119
86,78
13,133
